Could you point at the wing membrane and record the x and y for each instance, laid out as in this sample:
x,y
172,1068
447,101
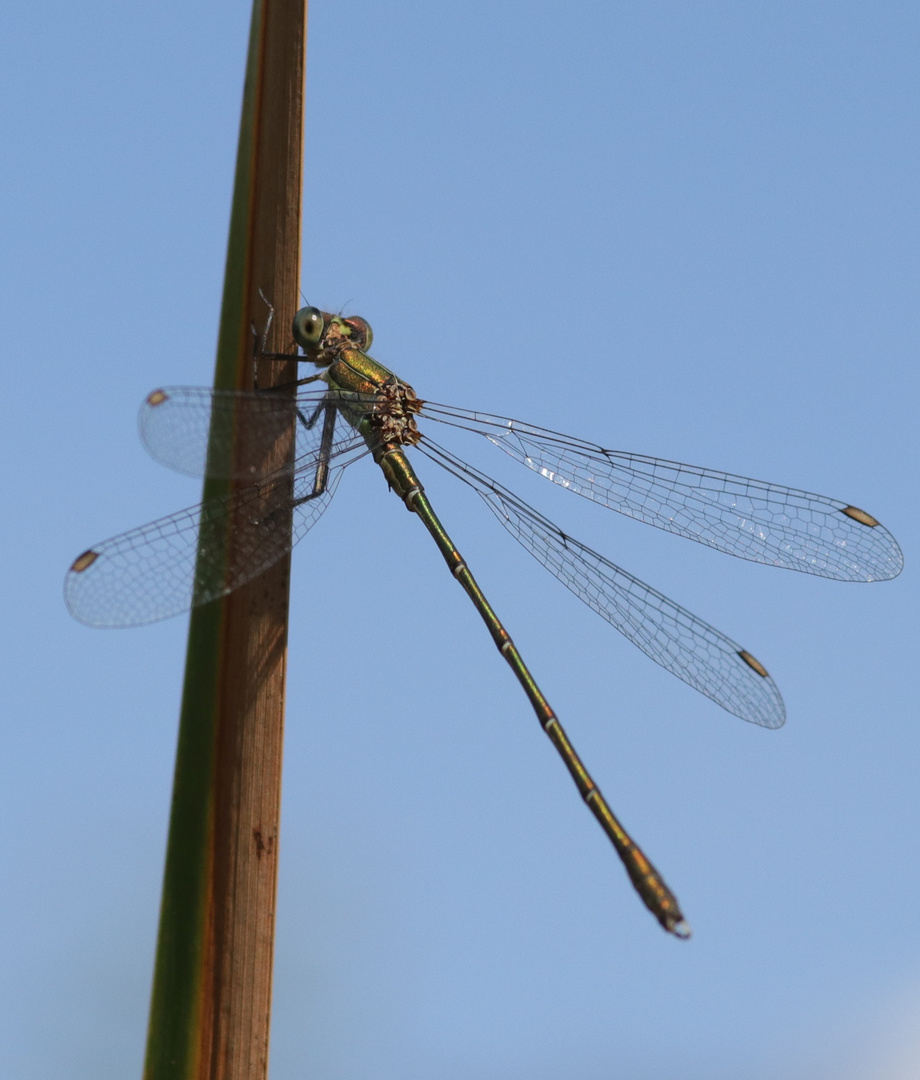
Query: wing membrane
x,y
766,523
681,643
200,432
180,561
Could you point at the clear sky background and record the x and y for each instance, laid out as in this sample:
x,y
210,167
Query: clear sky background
x,y
683,229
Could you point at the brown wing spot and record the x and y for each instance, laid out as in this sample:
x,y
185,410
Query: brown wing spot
x,y
84,561
753,662
860,515
157,397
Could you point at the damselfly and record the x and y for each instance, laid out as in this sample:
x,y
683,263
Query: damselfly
x,y
167,566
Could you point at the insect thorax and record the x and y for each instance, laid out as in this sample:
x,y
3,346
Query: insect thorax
x,y
393,418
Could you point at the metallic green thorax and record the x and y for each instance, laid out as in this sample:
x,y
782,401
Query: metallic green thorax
x,y
388,425
350,370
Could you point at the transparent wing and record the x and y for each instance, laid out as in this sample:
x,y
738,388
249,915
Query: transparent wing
x,y
754,520
179,424
181,561
674,638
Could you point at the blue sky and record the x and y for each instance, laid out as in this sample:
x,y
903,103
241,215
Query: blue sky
x,y
687,230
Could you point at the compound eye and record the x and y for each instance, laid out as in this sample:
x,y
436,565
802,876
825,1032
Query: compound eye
x,y
364,333
308,327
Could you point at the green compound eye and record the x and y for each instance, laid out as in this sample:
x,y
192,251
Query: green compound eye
x,y
307,327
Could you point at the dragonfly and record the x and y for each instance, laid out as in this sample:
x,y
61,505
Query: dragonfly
x,y
361,409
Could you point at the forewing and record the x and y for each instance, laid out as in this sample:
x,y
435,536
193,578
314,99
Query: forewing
x,y
766,523
203,432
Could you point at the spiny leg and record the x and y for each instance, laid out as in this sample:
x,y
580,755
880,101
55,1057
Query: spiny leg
x,y
259,353
308,425
321,476
649,884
